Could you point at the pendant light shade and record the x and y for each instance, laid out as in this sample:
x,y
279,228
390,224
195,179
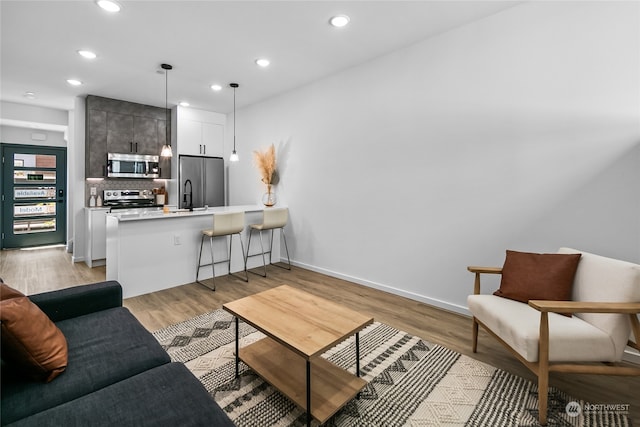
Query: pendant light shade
x,y
234,155
166,148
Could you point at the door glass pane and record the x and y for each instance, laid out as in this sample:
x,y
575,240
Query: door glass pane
x,y
34,209
33,212
28,226
34,176
34,160
34,193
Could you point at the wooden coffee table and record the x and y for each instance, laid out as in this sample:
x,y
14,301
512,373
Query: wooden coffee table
x,y
299,328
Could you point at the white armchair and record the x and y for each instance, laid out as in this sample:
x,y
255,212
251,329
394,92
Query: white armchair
x,y
605,303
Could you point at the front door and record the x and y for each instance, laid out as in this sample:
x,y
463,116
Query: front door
x,y
33,189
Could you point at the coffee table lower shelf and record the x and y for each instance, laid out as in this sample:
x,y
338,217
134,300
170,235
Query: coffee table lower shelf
x,y
331,386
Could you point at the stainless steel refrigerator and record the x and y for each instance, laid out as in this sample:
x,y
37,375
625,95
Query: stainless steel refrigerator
x,y
201,181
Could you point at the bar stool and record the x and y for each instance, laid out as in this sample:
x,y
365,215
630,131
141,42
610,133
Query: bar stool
x,y
224,224
272,219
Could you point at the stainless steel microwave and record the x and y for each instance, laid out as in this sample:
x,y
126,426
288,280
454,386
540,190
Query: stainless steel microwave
x,y
132,166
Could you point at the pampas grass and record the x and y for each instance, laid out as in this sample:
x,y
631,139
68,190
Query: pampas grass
x,y
266,163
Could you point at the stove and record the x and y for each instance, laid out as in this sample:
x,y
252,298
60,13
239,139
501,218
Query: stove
x,y
129,199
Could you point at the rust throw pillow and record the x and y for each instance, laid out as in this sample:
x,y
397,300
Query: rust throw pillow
x,y
30,340
7,292
527,276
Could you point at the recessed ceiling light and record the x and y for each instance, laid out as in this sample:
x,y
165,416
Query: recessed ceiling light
x,y
184,104
74,82
109,5
87,54
216,87
262,62
339,21
30,95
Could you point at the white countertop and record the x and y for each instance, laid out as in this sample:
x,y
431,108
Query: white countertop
x,y
184,213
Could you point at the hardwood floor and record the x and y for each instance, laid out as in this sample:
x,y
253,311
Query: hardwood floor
x,y
36,271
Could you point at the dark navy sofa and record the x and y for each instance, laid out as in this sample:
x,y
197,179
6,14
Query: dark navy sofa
x,y
117,373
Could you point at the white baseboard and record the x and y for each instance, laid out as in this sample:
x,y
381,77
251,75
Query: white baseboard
x,y
630,355
77,258
417,297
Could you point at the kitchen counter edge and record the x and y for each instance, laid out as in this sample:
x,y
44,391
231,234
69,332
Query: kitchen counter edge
x,y
143,216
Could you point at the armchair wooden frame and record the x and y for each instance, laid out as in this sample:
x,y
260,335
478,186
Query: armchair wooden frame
x,y
542,368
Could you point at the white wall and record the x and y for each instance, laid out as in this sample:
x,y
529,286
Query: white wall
x,y
520,131
28,124
15,114
33,125
19,135
76,199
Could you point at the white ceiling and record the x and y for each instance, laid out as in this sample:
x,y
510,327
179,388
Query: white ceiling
x,y
206,42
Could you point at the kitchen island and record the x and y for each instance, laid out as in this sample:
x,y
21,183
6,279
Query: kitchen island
x,y
151,251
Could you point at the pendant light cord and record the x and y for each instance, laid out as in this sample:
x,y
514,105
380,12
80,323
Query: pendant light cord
x,y
167,142
234,154
166,107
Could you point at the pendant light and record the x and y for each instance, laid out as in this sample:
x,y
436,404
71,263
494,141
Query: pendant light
x,y
234,155
166,148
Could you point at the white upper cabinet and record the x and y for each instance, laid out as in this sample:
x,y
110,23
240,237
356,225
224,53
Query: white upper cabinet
x,y
213,139
189,137
199,132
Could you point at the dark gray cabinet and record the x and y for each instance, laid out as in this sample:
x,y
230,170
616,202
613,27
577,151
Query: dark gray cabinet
x,y
96,144
119,133
115,126
145,135
162,132
133,134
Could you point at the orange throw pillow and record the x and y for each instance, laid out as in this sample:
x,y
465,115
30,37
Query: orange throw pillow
x,y
527,276
7,292
30,339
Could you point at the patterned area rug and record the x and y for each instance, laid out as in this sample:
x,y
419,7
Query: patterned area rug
x,y
411,382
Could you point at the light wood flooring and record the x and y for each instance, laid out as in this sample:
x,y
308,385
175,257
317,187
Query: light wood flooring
x,y
48,269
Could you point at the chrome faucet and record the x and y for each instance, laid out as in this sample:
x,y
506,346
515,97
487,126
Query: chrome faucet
x,y
184,196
